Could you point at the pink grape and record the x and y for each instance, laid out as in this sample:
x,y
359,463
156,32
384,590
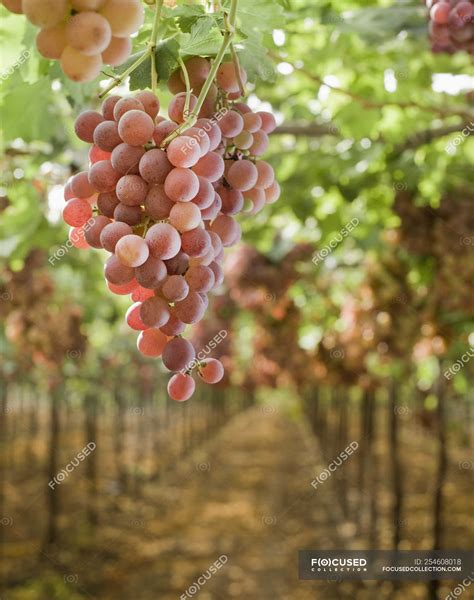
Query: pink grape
x,y
266,174
77,238
108,107
257,198
106,203
157,203
136,127
242,108
227,77
117,52
200,279
85,125
191,309
112,233
211,128
81,187
243,141
175,83
150,102
76,212
163,240
196,242
210,166
211,370
52,41
231,124
103,176
178,264
218,273
116,272
260,143
201,137
94,230
152,273
181,185
125,159
96,154
272,193
205,196
139,294
185,216
133,319
79,67
252,122
183,151
173,327
178,354
123,290
126,104
132,250
151,343
132,215
242,175
219,257
226,228
268,121
132,190
88,32
155,166
175,288
176,107
163,130
210,213
181,387
205,299
154,312
125,16
106,136
198,69
204,260
216,242
232,200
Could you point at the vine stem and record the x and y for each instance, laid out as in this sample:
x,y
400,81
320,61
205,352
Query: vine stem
x,y
150,52
228,36
152,45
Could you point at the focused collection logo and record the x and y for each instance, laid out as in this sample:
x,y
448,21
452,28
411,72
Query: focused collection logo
x,y
340,565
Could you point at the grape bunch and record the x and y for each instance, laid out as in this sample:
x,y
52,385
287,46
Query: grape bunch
x,y
82,34
162,198
451,25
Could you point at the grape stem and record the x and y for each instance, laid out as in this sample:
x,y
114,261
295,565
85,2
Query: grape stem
x,y
149,52
188,85
229,21
236,61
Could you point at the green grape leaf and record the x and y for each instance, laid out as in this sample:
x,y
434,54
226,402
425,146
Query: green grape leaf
x,y
25,108
259,16
166,53
187,16
205,38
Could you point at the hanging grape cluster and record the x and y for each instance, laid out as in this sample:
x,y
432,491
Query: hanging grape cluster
x,y
162,198
451,25
82,34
